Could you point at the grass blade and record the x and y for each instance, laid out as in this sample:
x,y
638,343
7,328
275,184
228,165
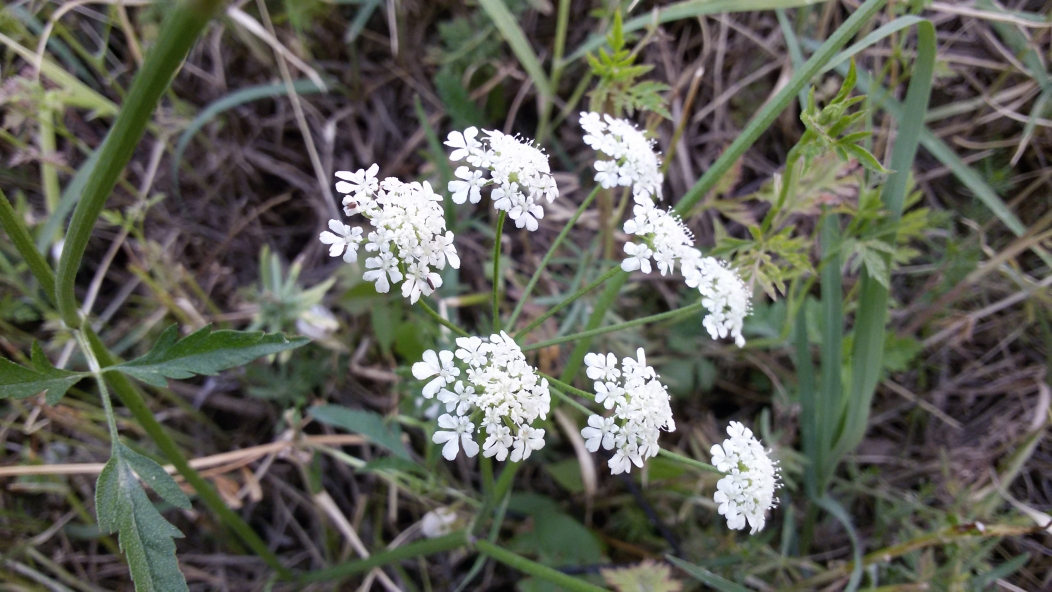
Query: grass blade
x,y
831,402
686,10
505,22
837,511
868,352
240,97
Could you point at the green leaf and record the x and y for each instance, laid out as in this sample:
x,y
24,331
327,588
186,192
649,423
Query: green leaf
x,y
703,575
648,575
369,424
144,535
19,382
203,352
156,477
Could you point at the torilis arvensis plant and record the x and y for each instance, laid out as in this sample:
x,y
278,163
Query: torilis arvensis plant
x,y
489,398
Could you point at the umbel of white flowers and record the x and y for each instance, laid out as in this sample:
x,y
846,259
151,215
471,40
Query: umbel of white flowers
x,y
632,163
409,236
640,406
747,491
518,172
665,239
499,389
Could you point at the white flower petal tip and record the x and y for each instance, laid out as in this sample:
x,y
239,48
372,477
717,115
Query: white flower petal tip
x,y
747,490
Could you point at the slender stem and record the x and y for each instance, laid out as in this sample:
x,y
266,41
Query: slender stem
x,y
697,464
561,25
104,393
535,569
178,33
548,256
767,116
16,229
619,326
442,321
133,400
573,402
419,548
496,270
602,304
568,301
500,489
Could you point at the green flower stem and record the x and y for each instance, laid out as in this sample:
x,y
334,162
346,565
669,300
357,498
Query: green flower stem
x,y
133,400
16,229
548,256
500,489
441,321
568,301
603,304
697,464
535,569
496,270
558,391
686,310
179,31
419,548
752,132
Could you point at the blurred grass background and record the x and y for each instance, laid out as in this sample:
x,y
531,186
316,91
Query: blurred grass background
x,y
215,221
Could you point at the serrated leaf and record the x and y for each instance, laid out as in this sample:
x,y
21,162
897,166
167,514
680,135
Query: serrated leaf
x,y
156,477
369,424
203,352
145,536
19,382
648,575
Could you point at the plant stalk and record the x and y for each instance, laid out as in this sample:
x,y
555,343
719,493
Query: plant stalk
x,y
567,301
179,31
697,306
496,270
535,569
16,229
548,256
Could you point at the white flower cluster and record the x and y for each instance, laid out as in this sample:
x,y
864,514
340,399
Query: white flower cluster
x,y
634,163
667,240
409,233
747,491
518,171
641,409
501,390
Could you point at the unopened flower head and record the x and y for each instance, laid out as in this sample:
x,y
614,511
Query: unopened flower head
x,y
517,170
633,161
747,491
409,239
497,389
640,405
438,522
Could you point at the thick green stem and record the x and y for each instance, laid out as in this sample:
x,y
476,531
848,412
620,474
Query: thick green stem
x,y
179,31
441,321
496,270
567,301
133,400
548,256
16,229
535,569
424,547
587,335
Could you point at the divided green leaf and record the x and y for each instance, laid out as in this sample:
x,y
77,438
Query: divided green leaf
x,y
369,424
19,382
145,536
204,352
